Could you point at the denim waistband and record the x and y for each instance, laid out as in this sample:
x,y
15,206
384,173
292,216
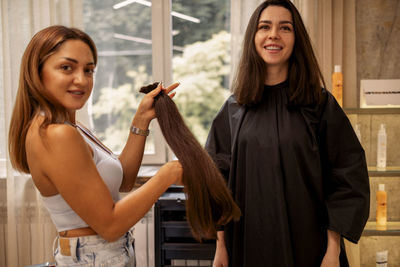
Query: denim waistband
x,y
70,246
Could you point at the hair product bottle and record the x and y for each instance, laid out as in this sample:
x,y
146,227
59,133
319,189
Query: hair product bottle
x,y
381,208
337,84
381,258
381,149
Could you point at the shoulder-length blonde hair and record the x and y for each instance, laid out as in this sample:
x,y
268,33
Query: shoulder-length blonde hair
x,y
31,96
305,77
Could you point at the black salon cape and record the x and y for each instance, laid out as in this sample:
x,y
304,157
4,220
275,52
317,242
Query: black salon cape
x,y
294,172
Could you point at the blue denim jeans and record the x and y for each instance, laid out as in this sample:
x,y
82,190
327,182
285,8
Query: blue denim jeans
x,y
94,251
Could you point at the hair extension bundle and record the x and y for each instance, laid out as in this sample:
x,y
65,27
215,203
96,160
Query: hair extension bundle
x,y
209,202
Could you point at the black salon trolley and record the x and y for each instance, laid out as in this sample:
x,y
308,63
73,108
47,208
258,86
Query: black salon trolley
x,y
173,240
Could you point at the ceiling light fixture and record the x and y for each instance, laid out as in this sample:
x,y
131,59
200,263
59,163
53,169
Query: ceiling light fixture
x,y
148,4
142,40
132,38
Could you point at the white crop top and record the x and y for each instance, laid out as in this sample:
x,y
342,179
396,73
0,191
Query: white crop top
x,y
109,168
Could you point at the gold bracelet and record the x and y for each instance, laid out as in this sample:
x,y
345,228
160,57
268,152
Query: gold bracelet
x,y
138,131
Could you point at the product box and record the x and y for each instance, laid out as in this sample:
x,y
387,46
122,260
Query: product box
x,y
380,93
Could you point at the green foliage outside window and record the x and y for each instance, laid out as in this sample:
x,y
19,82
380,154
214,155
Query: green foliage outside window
x,y
202,70
124,65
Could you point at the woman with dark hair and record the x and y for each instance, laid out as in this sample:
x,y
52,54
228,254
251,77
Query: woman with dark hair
x,y
288,152
78,178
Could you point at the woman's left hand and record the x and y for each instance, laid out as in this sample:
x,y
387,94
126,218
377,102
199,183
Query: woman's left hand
x,y
330,260
145,112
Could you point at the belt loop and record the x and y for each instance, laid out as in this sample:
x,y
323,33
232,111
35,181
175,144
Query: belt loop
x,y
54,245
74,248
129,245
131,237
69,247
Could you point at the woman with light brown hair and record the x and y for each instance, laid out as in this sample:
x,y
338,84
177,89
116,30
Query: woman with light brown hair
x,y
288,152
78,178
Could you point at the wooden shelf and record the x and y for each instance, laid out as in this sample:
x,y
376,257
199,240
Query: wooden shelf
x,y
372,111
393,229
389,172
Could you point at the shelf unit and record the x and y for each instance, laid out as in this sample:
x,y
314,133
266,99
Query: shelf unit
x,y
372,240
173,238
393,227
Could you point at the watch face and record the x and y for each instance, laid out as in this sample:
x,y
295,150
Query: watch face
x,y
138,131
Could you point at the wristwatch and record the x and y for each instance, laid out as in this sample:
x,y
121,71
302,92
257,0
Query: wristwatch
x,y
138,131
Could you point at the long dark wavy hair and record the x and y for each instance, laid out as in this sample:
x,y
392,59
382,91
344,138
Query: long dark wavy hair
x,y
304,75
31,96
209,202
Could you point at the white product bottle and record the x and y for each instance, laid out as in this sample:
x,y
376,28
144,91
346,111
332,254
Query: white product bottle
x,y
381,149
358,131
382,258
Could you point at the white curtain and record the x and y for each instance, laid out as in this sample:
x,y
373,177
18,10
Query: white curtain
x,y
26,232
331,25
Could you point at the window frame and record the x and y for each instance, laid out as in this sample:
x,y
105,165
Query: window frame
x,y
161,35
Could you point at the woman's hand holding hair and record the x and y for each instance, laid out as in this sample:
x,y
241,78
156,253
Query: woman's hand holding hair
x,y
171,88
145,112
132,154
172,171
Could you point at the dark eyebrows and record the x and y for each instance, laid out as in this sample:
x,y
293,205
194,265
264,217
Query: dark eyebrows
x,y
76,61
280,22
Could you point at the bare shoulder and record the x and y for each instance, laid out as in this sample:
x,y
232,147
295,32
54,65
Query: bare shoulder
x,y
55,133
53,138
64,142
52,145
50,148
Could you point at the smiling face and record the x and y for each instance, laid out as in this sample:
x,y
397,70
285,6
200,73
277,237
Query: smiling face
x,y
274,39
67,75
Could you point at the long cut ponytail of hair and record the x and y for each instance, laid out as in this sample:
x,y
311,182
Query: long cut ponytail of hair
x,y
209,202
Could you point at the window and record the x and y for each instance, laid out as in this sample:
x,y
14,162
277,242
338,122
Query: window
x,y
137,44
201,56
122,33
